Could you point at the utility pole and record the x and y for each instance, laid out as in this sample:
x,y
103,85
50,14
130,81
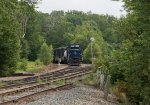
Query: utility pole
x,y
92,40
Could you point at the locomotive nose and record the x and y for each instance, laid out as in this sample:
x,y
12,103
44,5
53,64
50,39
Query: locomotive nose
x,y
75,53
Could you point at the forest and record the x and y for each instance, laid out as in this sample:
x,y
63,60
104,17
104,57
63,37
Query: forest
x,y
121,46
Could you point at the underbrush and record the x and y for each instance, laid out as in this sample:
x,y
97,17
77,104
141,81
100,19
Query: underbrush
x,y
29,66
90,80
60,82
119,89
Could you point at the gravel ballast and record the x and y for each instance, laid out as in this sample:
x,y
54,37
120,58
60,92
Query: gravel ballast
x,y
74,96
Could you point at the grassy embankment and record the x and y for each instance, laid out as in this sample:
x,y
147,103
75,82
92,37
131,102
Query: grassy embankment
x,y
29,66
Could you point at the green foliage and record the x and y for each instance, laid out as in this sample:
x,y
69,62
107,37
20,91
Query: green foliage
x,y
97,52
63,28
29,66
57,28
60,82
133,59
38,62
22,65
34,36
9,40
46,54
90,80
13,22
24,49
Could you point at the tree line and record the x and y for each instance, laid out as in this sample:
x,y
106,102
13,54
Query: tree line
x,y
121,46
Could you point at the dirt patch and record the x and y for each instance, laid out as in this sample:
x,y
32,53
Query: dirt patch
x,y
51,68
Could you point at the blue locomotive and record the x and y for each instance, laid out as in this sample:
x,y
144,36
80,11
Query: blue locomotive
x,y
74,54
71,55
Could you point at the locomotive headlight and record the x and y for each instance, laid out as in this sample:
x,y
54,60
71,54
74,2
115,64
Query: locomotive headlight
x,y
75,53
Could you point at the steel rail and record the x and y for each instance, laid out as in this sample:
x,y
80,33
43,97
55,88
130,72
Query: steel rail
x,y
46,77
28,96
11,102
62,77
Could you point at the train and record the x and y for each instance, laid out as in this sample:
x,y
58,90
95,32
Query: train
x,y
72,55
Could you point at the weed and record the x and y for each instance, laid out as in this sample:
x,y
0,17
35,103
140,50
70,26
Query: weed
x,y
39,80
60,82
2,84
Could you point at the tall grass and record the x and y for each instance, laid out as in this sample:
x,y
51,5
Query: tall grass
x,y
29,66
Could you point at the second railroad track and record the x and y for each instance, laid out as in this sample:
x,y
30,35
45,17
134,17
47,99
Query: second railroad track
x,y
16,91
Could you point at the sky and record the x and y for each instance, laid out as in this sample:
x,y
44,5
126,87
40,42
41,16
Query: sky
x,y
95,6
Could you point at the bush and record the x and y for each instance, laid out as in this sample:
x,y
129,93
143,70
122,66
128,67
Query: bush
x,y
23,65
38,62
46,54
97,51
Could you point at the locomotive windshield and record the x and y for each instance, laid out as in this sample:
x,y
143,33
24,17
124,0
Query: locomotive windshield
x,y
74,47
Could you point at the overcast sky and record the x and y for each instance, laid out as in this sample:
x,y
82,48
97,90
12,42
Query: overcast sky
x,y
95,6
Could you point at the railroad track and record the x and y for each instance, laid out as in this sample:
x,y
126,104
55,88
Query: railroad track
x,y
28,79
57,76
43,77
33,95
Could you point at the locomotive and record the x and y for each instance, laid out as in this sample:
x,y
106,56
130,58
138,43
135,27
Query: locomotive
x,y
71,55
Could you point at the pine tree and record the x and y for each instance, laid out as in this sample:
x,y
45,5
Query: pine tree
x,y
46,54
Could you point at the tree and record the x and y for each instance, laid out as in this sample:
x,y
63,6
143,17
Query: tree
x,y
24,49
30,28
97,52
34,35
84,32
58,26
46,54
135,51
9,37
13,21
